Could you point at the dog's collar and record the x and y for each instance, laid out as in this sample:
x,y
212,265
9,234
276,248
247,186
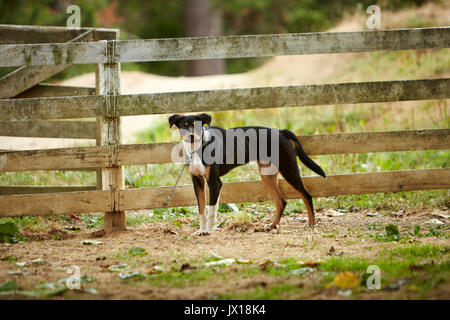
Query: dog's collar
x,y
206,140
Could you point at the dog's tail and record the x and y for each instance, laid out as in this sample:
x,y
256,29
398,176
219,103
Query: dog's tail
x,y
302,154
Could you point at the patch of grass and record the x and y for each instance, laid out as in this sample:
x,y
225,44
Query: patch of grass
x,y
400,261
92,221
393,234
241,221
389,201
31,222
134,220
418,251
180,279
262,292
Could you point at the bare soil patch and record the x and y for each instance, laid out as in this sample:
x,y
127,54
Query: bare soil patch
x,y
175,249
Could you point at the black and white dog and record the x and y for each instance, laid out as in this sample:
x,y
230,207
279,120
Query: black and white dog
x,y
211,152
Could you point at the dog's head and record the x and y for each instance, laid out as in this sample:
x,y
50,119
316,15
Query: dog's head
x,y
190,127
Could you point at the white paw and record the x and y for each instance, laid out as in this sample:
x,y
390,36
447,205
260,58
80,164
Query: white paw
x,y
201,233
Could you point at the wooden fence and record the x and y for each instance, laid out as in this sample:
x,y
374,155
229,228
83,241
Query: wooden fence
x,y
34,110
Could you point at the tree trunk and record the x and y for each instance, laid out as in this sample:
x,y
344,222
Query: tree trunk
x,y
202,21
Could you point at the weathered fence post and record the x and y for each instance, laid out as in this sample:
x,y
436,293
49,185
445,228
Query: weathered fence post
x,y
109,135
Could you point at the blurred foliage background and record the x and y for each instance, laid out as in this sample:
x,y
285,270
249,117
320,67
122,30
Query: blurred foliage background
x,y
170,18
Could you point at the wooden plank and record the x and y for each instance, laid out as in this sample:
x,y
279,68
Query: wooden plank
x,y
54,159
228,46
9,190
342,143
55,54
287,96
387,141
282,44
28,76
55,203
21,34
148,198
49,129
50,108
361,183
227,99
50,90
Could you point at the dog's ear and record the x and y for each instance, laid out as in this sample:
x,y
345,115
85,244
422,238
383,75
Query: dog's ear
x,y
205,118
174,119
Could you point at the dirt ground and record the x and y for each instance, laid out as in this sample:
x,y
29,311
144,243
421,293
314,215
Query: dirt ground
x,y
173,248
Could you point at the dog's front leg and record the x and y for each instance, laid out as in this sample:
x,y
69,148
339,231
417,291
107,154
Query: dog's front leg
x,y
214,186
199,189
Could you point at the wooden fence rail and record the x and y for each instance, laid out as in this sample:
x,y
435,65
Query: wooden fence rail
x,y
227,99
150,198
49,129
224,47
342,143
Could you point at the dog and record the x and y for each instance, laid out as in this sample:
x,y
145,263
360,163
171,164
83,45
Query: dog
x,y
210,152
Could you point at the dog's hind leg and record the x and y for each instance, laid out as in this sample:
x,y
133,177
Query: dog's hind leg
x,y
271,183
289,170
199,189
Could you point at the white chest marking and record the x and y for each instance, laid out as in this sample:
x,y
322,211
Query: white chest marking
x,y
196,166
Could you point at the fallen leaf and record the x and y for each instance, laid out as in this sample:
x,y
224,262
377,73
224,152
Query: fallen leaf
x,y
215,256
243,261
311,264
435,222
155,269
125,276
344,293
223,262
396,286
136,251
334,213
302,270
91,290
8,285
333,252
119,267
8,229
186,266
269,263
91,242
19,272
46,289
345,280
440,215
71,228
